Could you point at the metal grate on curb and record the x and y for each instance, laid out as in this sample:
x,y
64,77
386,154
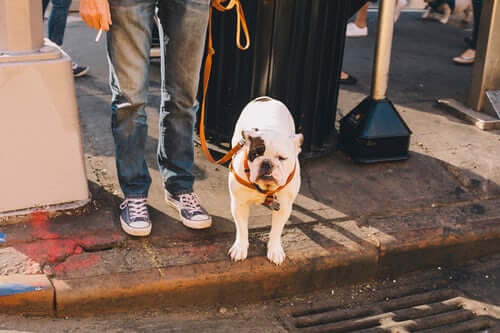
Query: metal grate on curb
x,y
417,308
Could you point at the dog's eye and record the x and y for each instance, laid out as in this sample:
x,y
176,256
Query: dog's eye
x,y
281,158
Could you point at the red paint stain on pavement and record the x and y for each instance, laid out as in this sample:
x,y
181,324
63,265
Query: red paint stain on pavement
x,y
69,251
77,263
40,224
51,250
78,250
66,252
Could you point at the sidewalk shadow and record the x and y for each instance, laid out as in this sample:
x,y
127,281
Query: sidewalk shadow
x,y
359,190
386,196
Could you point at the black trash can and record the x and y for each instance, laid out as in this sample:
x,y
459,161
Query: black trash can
x,y
295,56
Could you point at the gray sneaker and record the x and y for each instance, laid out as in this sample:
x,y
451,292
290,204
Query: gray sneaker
x,y
134,217
192,214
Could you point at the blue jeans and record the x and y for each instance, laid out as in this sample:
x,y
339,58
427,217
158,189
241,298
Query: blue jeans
x,y
129,41
57,19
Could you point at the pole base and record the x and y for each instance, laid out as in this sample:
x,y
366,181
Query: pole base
x,y
41,152
375,132
481,120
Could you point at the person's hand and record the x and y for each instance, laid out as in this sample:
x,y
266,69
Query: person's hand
x,y
96,13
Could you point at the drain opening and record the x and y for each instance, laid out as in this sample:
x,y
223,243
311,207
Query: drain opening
x,y
414,309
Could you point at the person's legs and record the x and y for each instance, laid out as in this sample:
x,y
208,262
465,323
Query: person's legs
x,y
184,23
400,4
57,20
477,7
358,27
360,20
57,26
346,78
468,56
128,44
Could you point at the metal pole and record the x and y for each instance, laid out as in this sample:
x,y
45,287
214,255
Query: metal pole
x,y
382,61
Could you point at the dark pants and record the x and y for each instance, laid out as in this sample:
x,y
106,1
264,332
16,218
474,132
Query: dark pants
x,y
477,5
57,19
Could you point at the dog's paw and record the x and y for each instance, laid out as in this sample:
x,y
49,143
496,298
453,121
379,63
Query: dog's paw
x,y
444,21
238,251
275,253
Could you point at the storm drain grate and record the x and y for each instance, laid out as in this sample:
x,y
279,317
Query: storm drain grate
x,y
417,308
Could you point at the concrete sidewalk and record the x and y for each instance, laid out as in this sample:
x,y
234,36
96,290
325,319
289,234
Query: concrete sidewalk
x,y
350,223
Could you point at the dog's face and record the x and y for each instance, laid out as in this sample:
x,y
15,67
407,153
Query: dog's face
x,y
271,157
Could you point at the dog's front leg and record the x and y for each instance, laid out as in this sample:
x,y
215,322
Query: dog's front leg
x,y
240,212
275,251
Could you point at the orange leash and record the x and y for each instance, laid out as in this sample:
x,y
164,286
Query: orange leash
x,y
241,25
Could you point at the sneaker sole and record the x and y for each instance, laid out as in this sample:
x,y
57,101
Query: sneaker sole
x,y
82,73
190,224
135,232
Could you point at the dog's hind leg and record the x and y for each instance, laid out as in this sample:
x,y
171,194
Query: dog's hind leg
x,y
240,212
275,251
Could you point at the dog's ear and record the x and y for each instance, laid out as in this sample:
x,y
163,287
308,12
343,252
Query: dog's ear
x,y
246,135
249,135
298,139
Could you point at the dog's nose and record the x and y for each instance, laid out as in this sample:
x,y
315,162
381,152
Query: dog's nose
x,y
266,167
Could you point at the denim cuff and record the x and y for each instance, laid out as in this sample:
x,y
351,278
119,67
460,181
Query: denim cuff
x,y
178,191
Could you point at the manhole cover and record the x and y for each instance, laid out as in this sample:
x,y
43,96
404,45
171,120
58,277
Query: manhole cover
x,y
426,307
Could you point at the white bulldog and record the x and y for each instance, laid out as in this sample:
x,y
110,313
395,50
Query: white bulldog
x,y
265,171
441,10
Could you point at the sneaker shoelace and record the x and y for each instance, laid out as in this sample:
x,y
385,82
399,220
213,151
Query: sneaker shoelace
x,y
190,201
137,208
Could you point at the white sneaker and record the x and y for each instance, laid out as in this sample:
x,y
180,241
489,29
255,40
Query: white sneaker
x,y
353,30
400,5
